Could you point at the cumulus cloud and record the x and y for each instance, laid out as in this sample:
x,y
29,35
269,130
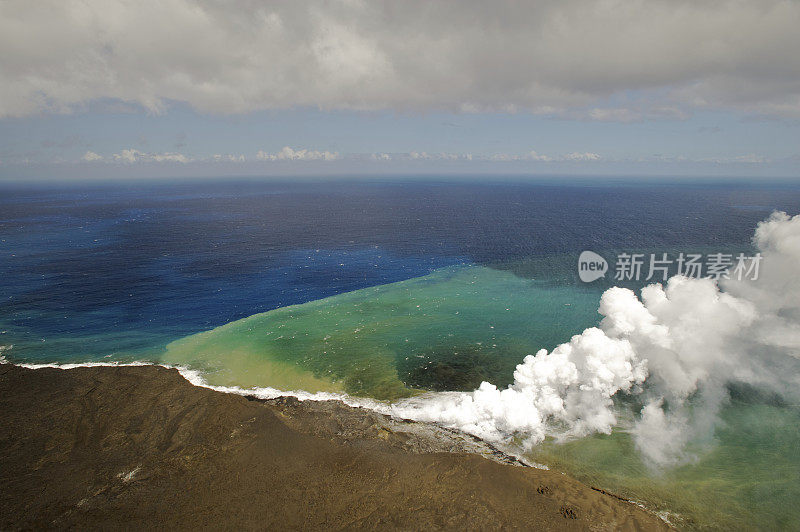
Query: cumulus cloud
x,y
750,158
650,58
301,154
227,158
131,156
540,157
675,348
91,156
290,154
530,156
441,156
587,156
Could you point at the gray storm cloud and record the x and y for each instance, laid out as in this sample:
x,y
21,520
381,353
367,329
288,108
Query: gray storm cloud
x,y
600,60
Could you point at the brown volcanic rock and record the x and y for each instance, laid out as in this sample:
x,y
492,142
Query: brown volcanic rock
x,y
140,447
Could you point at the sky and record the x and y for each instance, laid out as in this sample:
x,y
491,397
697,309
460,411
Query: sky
x,y
115,89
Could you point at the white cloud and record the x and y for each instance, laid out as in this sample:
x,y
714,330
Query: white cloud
x,y
441,156
533,156
131,156
290,154
751,158
91,156
651,58
587,156
227,158
530,156
495,157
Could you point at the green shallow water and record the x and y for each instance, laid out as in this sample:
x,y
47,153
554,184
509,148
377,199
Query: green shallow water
x,y
458,326
449,330
746,478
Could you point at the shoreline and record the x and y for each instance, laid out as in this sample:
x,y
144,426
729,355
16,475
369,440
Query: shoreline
x,y
140,445
268,394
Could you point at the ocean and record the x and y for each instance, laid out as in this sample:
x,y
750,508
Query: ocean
x,y
415,292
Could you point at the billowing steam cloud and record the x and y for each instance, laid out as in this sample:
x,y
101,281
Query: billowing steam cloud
x,y
674,350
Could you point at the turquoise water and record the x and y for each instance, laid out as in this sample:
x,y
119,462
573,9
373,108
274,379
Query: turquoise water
x,y
449,330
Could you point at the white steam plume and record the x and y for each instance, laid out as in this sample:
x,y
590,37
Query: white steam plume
x,y
686,340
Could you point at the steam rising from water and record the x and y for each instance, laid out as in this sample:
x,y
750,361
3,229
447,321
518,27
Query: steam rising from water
x,y
670,352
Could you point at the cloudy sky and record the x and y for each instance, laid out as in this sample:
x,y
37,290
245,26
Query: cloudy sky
x,y
136,88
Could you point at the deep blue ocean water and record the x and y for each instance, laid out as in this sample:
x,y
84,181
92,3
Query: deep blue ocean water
x,y
89,270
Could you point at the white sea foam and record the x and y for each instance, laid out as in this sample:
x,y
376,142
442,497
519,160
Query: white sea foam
x,y
195,377
73,365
